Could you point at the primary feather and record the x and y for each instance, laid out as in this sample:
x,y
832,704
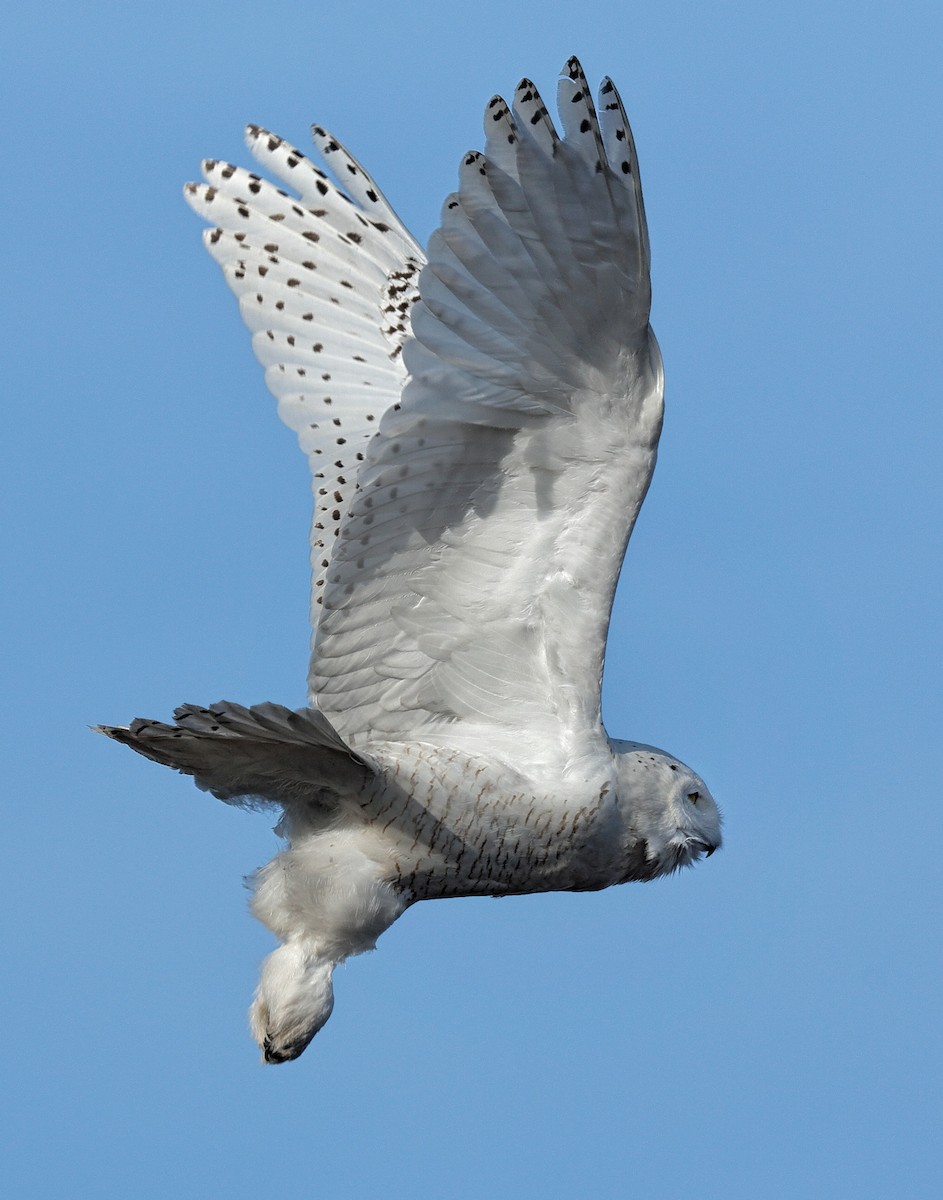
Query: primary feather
x,y
481,423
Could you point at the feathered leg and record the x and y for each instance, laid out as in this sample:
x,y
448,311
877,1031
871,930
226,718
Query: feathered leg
x,y
327,899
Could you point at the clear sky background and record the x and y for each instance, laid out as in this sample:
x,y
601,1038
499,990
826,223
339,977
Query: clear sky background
x,y
767,1025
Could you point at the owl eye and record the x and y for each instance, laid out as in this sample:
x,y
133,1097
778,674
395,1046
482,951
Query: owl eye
x,y
694,797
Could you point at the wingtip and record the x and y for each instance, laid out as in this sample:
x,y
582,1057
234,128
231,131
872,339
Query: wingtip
x,y
609,98
253,134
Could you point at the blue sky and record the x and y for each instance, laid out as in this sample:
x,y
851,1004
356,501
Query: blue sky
x,y
765,1025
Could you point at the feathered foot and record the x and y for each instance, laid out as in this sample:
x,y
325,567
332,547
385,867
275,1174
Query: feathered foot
x,y
295,997
327,900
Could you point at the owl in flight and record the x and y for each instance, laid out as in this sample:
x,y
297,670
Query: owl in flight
x,y
481,421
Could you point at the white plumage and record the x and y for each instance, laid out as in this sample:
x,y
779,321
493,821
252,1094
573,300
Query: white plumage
x,y
481,423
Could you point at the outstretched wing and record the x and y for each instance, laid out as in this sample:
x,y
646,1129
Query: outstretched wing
x,y
469,591
324,279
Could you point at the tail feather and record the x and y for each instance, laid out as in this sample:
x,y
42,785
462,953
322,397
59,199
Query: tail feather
x,y
264,753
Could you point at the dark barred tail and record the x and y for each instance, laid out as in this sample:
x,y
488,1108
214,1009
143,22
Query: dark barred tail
x,y
265,753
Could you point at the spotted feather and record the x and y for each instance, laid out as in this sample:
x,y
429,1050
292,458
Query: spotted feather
x,y
312,273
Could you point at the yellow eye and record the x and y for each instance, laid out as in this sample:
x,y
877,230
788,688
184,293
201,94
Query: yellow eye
x,y
694,797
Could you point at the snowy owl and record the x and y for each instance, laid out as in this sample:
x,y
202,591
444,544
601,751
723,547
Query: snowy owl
x,y
481,421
